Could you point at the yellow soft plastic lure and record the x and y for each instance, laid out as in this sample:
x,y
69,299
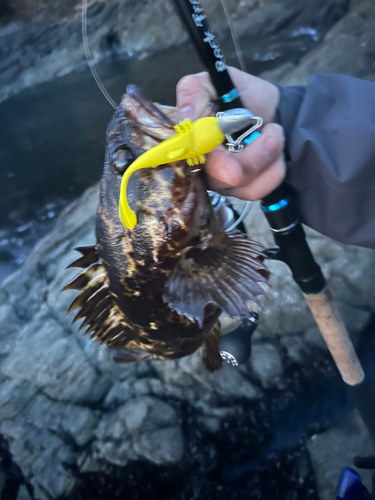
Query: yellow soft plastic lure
x,y
191,142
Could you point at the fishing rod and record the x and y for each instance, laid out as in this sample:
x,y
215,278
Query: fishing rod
x,y
289,235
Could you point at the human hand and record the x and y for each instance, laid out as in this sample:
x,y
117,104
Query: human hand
x,y
260,167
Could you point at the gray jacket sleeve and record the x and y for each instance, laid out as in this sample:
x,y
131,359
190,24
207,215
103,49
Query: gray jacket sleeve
x,y
330,153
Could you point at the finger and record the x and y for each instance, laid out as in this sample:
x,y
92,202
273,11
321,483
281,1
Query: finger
x,y
258,95
194,93
227,169
223,170
264,184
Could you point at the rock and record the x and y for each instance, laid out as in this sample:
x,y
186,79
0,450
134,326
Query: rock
x,y
119,393
40,440
212,424
88,463
313,336
149,386
184,374
160,446
41,456
53,363
51,32
80,424
296,347
8,321
352,35
144,427
23,494
143,413
14,395
9,327
2,480
335,449
116,453
52,371
266,364
77,422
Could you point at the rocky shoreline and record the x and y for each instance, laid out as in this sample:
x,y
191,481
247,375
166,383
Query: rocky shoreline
x,y
40,40
65,406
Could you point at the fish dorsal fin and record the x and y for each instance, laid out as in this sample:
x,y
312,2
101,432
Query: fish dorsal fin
x,y
102,317
224,270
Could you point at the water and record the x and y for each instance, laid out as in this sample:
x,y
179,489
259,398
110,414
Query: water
x,y
52,135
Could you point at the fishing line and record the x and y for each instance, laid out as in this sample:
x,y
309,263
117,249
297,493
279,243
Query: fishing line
x,y
90,58
233,34
239,53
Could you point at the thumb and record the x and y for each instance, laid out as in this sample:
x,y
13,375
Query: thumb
x,y
194,93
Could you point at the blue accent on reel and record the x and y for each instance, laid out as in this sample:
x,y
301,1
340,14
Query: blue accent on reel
x,y
230,96
251,138
349,486
277,206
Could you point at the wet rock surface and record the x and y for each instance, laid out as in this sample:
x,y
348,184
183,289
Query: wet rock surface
x,y
334,449
352,35
67,411
42,40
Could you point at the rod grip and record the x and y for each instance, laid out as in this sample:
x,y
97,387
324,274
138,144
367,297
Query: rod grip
x,y
336,336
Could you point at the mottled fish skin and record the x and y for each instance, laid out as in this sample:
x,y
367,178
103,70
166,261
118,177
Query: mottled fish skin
x,y
132,274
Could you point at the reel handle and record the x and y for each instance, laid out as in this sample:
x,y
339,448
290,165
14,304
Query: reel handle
x,y
235,347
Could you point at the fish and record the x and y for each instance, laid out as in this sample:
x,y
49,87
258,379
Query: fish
x,y
156,291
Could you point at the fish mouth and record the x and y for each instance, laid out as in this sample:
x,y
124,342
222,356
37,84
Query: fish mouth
x,y
149,118
134,92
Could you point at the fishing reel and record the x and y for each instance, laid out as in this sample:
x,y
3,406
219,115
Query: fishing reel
x,y
227,213
235,346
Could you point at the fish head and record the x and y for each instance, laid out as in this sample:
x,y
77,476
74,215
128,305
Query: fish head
x,y
170,201
137,126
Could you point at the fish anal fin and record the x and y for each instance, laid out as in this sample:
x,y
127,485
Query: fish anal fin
x,y
210,349
128,356
224,270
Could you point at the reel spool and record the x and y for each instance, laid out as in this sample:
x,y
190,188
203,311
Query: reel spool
x,y
227,213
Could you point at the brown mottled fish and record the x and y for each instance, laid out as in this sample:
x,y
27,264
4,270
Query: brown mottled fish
x,y
156,291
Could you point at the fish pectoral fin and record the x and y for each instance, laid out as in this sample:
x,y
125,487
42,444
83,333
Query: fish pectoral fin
x,y
224,270
127,356
210,349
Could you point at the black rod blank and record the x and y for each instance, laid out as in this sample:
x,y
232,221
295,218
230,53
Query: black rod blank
x,y
277,206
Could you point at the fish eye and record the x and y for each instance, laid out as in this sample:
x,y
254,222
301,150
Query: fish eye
x,y
121,159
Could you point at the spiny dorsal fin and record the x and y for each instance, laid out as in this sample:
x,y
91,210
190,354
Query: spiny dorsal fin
x,y
102,317
223,270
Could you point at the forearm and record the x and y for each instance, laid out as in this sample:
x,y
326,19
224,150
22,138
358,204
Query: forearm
x,y
330,153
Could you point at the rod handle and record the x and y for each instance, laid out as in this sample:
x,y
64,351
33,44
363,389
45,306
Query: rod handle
x,y
336,337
